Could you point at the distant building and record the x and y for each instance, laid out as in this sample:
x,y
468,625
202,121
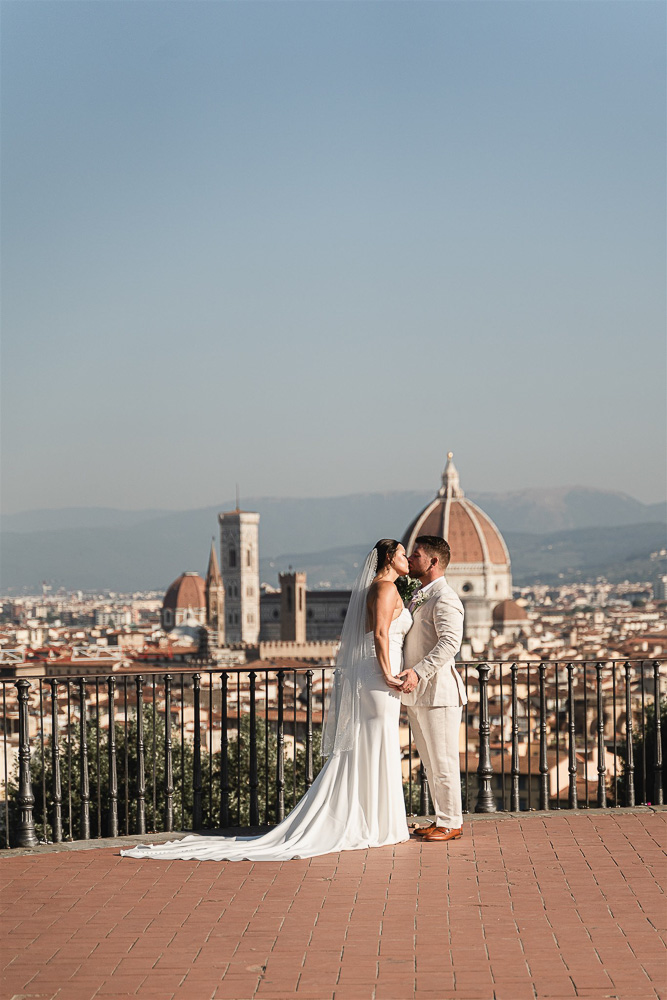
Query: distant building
x,y
239,560
215,602
185,600
110,618
318,614
479,570
293,607
509,619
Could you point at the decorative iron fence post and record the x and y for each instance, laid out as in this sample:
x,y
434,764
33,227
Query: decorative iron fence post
x,y
169,764
42,761
629,743
113,776
141,764
253,777
657,764
280,757
544,765
485,799
83,758
424,796
602,767
26,836
515,800
571,741
196,761
57,821
224,754
309,728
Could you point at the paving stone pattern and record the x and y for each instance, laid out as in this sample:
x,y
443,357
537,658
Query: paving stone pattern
x,y
560,905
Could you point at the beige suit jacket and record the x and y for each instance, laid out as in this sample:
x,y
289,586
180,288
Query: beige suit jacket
x,y
431,646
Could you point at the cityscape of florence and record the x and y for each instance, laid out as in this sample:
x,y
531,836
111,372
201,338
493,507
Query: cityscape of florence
x,y
233,675
333,580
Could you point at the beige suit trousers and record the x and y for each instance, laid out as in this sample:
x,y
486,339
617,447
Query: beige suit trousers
x,y
436,733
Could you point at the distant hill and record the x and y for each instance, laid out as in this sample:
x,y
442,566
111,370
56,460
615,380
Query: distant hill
x,y
76,517
104,548
310,521
617,553
584,554
540,511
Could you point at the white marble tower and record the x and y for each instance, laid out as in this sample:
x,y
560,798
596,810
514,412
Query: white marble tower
x,y
239,559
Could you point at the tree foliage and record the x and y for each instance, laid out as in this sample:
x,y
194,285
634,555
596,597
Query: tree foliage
x,y
155,775
155,779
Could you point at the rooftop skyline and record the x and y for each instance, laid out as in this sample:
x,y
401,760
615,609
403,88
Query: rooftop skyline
x,y
310,248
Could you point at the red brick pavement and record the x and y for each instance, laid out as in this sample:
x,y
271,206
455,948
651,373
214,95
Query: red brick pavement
x,y
561,905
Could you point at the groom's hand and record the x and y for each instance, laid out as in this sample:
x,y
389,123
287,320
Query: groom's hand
x,y
410,680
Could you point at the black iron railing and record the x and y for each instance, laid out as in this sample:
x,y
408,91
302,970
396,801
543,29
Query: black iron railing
x,y
221,748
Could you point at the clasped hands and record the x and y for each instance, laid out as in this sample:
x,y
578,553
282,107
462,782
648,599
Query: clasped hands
x,y
406,681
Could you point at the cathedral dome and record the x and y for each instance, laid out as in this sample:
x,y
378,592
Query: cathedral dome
x,y
188,591
185,598
473,537
509,613
479,570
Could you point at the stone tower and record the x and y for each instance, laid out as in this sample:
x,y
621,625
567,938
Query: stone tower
x,y
239,558
293,607
215,601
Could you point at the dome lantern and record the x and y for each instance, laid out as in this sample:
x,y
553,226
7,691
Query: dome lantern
x,y
450,479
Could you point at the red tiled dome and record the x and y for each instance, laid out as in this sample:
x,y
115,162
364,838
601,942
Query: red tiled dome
x,y
509,611
472,535
188,591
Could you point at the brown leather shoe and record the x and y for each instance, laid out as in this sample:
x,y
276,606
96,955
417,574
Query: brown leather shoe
x,y
421,831
442,833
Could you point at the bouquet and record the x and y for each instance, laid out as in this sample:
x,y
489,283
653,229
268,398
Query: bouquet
x,y
406,586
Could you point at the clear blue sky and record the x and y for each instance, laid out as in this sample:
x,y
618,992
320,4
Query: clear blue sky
x,y
310,247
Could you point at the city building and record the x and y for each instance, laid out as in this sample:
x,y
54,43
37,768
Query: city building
x,y
319,617
215,602
185,600
479,570
239,560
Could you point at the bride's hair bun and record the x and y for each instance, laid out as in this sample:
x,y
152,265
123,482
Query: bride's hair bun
x,y
386,550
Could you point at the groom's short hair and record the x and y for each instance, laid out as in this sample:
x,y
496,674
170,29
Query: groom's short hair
x,y
436,546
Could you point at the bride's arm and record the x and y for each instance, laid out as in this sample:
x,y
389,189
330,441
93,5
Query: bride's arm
x,y
382,604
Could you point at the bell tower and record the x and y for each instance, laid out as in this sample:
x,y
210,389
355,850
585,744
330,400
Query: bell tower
x,y
293,607
239,559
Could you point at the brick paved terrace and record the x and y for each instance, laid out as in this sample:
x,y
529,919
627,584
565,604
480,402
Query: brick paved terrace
x,y
536,905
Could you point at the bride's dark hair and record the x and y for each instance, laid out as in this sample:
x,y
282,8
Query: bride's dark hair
x,y
386,550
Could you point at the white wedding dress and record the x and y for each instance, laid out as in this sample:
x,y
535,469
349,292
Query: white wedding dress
x,y
356,801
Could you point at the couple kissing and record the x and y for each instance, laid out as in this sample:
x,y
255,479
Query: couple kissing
x,y
429,682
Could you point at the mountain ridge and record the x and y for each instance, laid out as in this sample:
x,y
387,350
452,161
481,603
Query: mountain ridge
x,y
560,507
583,554
156,547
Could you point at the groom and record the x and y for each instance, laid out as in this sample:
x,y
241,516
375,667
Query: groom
x,y
432,687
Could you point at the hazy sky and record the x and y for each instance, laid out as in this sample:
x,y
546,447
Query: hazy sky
x,y
310,247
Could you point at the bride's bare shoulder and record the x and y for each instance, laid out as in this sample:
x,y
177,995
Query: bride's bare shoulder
x,y
383,594
381,590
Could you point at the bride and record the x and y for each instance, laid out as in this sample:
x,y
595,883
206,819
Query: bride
x,y
356,801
